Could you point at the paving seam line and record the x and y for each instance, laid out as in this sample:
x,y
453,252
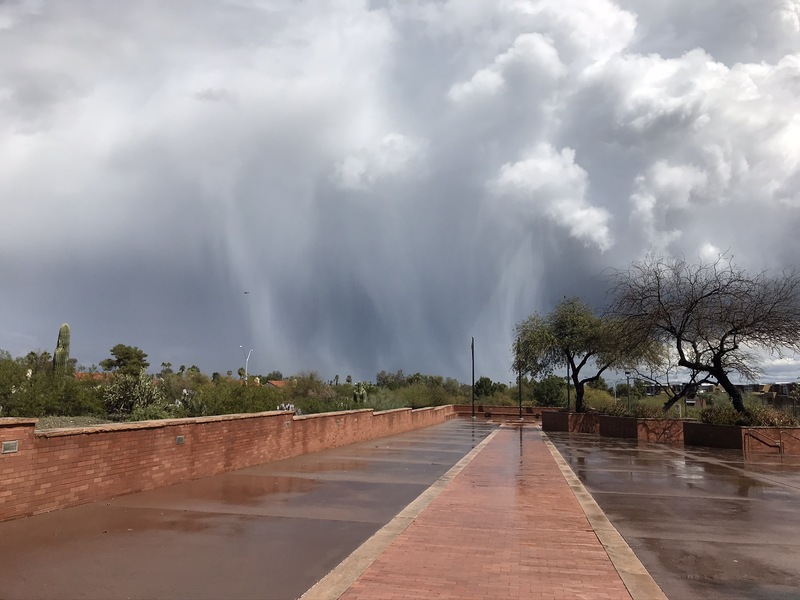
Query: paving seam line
x,y
640,584
337,582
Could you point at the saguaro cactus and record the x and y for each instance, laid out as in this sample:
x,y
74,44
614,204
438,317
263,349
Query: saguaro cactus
x,y
61,355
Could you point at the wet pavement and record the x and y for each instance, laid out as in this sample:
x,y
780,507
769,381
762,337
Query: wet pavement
x,y
269,531
705,523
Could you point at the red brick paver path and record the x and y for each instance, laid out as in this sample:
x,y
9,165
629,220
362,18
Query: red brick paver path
x,y
508,526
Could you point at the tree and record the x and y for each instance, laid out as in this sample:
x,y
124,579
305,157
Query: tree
x,y
483,387
128,360
572,335
550,391
714,315
274,376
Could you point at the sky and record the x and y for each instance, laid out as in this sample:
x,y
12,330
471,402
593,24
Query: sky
x,y
353,186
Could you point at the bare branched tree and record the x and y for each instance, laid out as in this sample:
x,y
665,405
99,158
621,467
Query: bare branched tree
x,y
714,315
660,368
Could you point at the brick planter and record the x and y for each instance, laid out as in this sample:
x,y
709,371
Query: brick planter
x,y
617,427
771,440
712,436
553,420
660,431
572,422
584,423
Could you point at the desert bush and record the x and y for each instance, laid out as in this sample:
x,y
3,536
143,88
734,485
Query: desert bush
x,y
125,393
597,399
722,414
767,416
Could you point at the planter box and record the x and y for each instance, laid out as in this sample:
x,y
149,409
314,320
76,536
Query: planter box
x,y
771,440
618,427
660,431
712,436
553,420
584,423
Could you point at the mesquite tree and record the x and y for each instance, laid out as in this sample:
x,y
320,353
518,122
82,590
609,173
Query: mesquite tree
x,y
714,316
572,335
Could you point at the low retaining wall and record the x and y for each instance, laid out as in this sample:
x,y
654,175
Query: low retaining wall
x,y
572,422
618,427
660,431
41,471
771,440
712,436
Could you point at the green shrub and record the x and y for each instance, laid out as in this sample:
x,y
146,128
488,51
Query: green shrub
x,y
125,393
598,399
151,412
767,416
615,409
641,410
756,415
722,414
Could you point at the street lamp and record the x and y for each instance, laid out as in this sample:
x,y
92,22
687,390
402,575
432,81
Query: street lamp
x,y
628,382
246,361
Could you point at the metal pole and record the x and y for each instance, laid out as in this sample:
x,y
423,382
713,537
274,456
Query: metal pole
x,y
246,362
473,377
628,382
519,381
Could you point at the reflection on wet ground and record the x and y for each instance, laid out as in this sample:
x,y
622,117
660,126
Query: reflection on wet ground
x,y
704,522
269,531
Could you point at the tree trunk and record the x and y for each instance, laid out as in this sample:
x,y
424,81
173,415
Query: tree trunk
x,y
732,390
578,395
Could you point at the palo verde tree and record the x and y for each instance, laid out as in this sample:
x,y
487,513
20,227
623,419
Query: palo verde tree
x,y
714,315
573,336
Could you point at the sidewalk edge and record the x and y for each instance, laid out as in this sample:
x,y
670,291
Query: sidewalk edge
x,y
636,578
335,583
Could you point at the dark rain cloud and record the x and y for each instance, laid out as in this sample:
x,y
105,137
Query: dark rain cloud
x,y
385,179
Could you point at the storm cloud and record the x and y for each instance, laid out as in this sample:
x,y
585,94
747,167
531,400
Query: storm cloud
x,y
384,179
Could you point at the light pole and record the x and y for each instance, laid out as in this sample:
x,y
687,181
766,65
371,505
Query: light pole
x,y
246,361
519,381
628,382
472,346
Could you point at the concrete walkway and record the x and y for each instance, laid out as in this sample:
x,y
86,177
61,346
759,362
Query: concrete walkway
x,y
510,520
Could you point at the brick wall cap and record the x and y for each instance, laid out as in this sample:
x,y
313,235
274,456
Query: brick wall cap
x,y
392,410
16,421
795,428
332,414
156,424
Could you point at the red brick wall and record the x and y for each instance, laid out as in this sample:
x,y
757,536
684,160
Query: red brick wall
x,y
771,440
65,467
555,421
661,431
618,427
712,436
500,413
584,423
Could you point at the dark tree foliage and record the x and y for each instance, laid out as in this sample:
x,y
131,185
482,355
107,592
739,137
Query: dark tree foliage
x,y
572,335
128,360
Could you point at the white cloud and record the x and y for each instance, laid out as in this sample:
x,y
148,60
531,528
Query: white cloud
x,y
532,52
391,155
549,182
